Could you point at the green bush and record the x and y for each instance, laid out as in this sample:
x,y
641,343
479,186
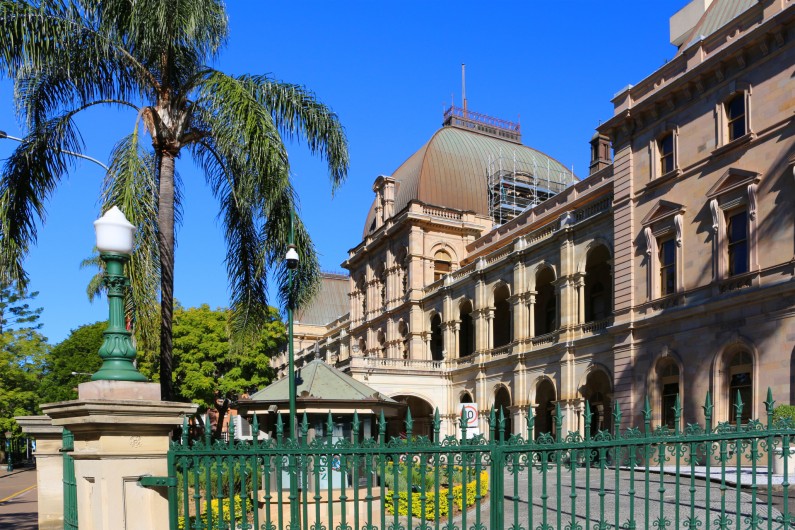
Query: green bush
x,y
431,500
214,511
784,412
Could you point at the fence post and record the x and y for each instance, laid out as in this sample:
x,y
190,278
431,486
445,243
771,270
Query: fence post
x,y
497,517
121,433
49,469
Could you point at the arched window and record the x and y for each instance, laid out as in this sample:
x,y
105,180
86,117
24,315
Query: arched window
x,y
437,344
740,383
501,327
466,397
466,330
363,347
442,264
597,284
380,275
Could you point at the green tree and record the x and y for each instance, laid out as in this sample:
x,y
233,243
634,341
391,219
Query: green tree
x,y
22,353
210,368
151,57
69,360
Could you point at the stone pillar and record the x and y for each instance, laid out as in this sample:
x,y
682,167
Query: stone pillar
x,y
49,468
531,314
580,285
490,328
121,432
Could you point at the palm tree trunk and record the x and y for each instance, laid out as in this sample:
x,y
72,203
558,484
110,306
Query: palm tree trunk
x,y
165,239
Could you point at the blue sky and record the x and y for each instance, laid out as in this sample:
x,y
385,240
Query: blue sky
x,y
387,70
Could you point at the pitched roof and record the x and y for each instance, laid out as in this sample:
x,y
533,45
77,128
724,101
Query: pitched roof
x,y
330,302
318,380
717,15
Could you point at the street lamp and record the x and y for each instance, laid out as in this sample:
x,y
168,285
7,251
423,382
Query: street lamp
x,y
291,258
9,461
64,151
115,244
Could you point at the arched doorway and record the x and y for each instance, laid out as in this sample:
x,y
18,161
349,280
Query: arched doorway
x,y
502,317
545,408
502,401
421,414
598,391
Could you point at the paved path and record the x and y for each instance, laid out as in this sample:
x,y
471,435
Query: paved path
x,y
18,501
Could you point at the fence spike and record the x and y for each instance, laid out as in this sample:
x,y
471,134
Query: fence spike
x,y
617,418
382,427
207,430
738,411
255,428
647,410
304,425
184,430
501,424
588,416
558,421
531,423
437,423
279,428
769,405
355,425
230,431
462,423
677,413
409,423
329,426
708,406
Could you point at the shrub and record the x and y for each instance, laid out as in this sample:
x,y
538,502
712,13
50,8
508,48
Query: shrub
x,y
214,512
784,412
431,500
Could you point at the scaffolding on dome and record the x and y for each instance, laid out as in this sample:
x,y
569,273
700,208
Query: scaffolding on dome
x,y
516,185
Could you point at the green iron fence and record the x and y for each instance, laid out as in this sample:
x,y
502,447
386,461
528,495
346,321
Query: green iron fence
x,y
711,476
69,482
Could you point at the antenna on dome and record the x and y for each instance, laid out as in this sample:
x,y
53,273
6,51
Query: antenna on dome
x,y
464,85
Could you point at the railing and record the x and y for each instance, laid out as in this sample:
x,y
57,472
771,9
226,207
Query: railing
x,y
481,118
544,339
593,209
386,362
710,475
440,212
502,350
596,326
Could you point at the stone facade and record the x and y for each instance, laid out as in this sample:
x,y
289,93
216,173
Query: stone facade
x,y
667,272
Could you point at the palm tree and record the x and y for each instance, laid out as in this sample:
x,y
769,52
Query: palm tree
x,y
152,57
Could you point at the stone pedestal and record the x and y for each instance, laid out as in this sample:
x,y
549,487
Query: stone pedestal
x,y
49,468
121,432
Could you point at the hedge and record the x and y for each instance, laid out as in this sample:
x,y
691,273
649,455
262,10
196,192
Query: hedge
x,y
431,501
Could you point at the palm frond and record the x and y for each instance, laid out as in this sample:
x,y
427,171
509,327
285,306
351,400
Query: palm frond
x,y
29,177
131,185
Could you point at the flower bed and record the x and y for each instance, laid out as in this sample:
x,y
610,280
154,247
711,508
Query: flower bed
x,y
433,504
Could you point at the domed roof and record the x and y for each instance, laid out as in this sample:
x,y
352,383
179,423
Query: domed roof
x,y
451,170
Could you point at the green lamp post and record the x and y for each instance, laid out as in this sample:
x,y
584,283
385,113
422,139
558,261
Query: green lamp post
x,y
9,459
115,244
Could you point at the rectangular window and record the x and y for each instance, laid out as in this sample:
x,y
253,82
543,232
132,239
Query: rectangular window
x,y
737,234
735,116
665,147
667,260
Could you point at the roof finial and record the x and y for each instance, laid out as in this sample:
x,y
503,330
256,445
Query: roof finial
x,y
464,85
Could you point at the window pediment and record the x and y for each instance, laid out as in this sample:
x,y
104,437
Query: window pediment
x,y
733,179
662,210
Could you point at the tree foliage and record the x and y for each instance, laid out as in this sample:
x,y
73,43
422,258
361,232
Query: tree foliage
x,y
151,58
77,353
211,369
22,353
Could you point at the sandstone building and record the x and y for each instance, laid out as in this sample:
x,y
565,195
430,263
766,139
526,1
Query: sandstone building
x,y
488,274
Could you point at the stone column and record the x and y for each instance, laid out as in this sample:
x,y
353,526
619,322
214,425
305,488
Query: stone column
x,y
49,468
490,328
531,314
122,432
